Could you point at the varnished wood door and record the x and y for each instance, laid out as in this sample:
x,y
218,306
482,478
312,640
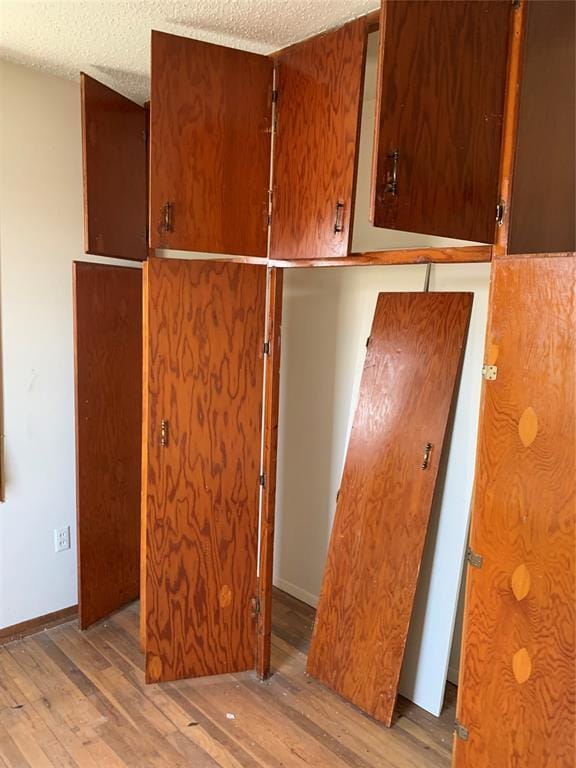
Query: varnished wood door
x,y
517,692
320,85
205,327
442,83
412,366
210,113
108,356
114,141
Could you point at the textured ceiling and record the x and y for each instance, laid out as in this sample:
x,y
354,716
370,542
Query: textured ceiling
x,y
111,40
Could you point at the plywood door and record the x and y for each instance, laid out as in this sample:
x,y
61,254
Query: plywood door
x,y
114,132
205,325
517,693
320,84
108,352
410,373
442,82
210,114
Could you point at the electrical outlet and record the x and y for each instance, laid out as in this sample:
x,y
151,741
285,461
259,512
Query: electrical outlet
x,y
61,539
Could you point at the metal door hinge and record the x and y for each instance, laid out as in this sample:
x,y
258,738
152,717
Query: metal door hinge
x,y
266,348
489,372
474,558
500,213
255,606
461,731
426,455
144,135
368,340
262,480
515,4
275,96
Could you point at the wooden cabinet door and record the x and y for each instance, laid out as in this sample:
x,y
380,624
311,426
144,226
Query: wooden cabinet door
x,y
442,82
517,691
320,85
108,355
114,141
410,373
205,326
210,113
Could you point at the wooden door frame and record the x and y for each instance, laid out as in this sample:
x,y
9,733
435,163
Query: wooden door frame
x,y
269,464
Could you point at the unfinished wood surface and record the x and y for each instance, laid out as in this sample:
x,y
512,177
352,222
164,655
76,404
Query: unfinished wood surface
x,y
442,83
115,169
543,205
205,326
79,700
517,686
108,355
411,370
319,85
267,515
211,110
474,253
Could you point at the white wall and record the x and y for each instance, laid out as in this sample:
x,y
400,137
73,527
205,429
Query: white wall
x,y
40,236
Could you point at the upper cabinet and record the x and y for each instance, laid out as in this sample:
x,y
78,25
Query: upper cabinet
x,y
115,169
319,84
211,122
440,113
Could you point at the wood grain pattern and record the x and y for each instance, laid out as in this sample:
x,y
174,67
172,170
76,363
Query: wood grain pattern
x,y
144,438
319,84
205,326
115,169
543,205
108,355
73,699
474,253
211,111
442,87
520,706
410,373
271,409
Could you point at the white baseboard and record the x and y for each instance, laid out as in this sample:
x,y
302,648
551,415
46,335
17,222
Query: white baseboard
x,y
297,592
452,675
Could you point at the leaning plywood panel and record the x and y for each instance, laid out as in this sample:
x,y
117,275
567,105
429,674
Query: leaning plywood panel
x,y
210,126
517,694
412,366
205,329
319,86
108,352
114,132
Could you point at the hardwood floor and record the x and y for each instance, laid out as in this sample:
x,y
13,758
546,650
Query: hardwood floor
x,y
76,699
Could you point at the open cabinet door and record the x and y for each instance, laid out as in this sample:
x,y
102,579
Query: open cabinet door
x,y
441,91
319,84
211,113
410,375
205,327
114,133
108,355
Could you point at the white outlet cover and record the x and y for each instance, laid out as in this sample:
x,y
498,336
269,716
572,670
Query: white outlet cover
x,y
62,539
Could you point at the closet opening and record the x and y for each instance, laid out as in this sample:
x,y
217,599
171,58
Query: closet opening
x,y
327,318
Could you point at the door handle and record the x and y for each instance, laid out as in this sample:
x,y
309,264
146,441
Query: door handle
x,y
167,210
339,220
392,181
426,457
164,432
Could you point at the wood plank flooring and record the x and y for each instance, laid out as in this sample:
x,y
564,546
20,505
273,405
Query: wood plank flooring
x,y
73,699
